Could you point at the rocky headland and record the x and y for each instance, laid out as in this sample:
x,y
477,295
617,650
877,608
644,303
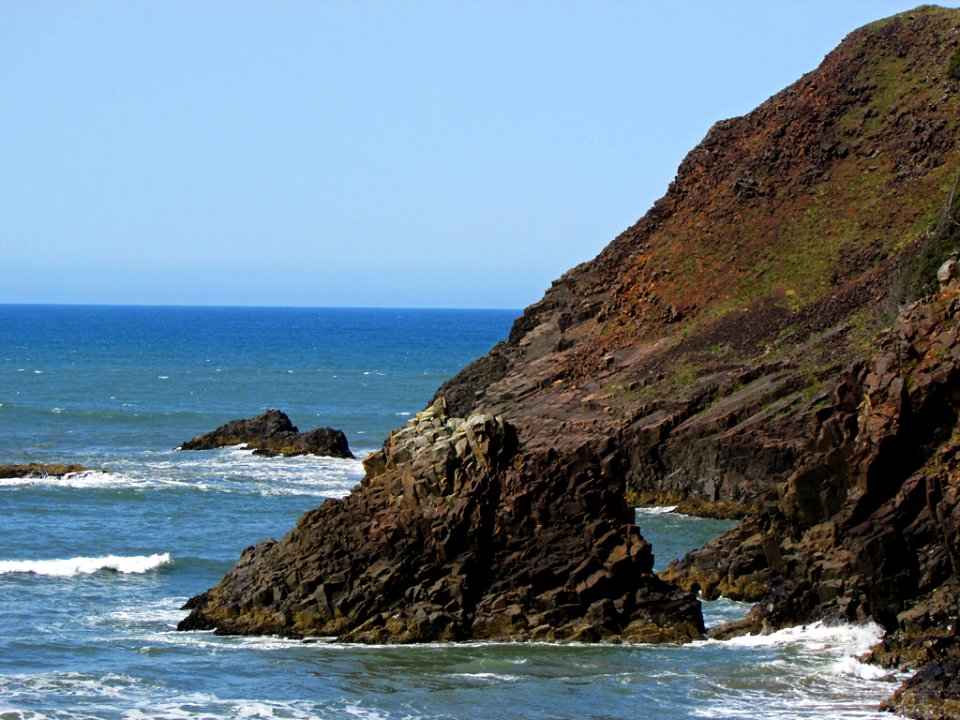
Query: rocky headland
x,y
770,338
271,434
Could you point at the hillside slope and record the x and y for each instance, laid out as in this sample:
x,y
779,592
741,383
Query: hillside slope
x,y
700,335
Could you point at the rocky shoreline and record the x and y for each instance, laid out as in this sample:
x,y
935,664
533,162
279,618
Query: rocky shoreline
x,y
768,340
452,535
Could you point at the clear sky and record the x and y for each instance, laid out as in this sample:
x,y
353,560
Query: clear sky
x,y
431,154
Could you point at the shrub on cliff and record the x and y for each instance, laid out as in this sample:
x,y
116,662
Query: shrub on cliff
x,y
953,65
919,275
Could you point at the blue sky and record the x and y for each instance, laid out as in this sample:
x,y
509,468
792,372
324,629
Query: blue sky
x,y
398,154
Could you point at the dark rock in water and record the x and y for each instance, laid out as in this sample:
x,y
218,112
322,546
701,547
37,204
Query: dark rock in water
x,y
933,693
273,434
453,534
39,470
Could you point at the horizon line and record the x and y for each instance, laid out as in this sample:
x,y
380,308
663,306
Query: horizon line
x,y
254,307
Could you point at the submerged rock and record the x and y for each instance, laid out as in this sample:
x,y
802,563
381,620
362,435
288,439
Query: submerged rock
x,y
39,470
453,534
273,434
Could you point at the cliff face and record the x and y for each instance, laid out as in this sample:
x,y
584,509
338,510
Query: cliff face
x,y
723,349
698,337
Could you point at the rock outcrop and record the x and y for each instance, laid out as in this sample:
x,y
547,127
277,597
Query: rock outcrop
x,y
453,534
272,433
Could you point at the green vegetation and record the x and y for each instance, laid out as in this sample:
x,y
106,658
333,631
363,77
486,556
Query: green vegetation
x,y
953,65
919,275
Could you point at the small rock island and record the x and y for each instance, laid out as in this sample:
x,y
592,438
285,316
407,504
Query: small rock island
x,y
271,434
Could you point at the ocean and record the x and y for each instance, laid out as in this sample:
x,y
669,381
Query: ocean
x,y
95,566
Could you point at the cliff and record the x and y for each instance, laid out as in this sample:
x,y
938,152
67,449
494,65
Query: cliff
x,y
755,340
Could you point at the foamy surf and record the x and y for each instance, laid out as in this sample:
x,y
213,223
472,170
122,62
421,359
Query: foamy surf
x,y
809,671
136,564
818,636
84,480
656,510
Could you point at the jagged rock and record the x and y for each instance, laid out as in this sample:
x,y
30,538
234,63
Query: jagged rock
x,y
454,534
933,693
272,433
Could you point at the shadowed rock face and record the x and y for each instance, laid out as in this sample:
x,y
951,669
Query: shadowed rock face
x,y
273,434
455,534
866,526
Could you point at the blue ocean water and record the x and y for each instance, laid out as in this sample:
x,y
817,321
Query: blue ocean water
x,y
95,566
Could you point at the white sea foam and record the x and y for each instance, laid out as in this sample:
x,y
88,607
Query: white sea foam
x,y
84,480
161,612
237,469
657,510
488,677
818,636
114,695
809,671
135,564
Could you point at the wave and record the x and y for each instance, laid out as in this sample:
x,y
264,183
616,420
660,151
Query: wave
x,y
226,470
135,564
83,480
818,636
132,698
657,510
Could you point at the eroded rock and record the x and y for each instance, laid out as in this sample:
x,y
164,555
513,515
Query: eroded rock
x,y
453,534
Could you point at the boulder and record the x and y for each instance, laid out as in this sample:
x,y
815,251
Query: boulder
x,y
272,433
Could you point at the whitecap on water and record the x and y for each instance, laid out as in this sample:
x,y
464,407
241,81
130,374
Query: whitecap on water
x,y
70,567
818,636
84,480
810,671
656,510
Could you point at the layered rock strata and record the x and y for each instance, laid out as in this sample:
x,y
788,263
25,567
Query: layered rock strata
x,y
453,534
272,433
867,527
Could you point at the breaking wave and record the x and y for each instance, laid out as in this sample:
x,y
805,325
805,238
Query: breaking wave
x,y
135,564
